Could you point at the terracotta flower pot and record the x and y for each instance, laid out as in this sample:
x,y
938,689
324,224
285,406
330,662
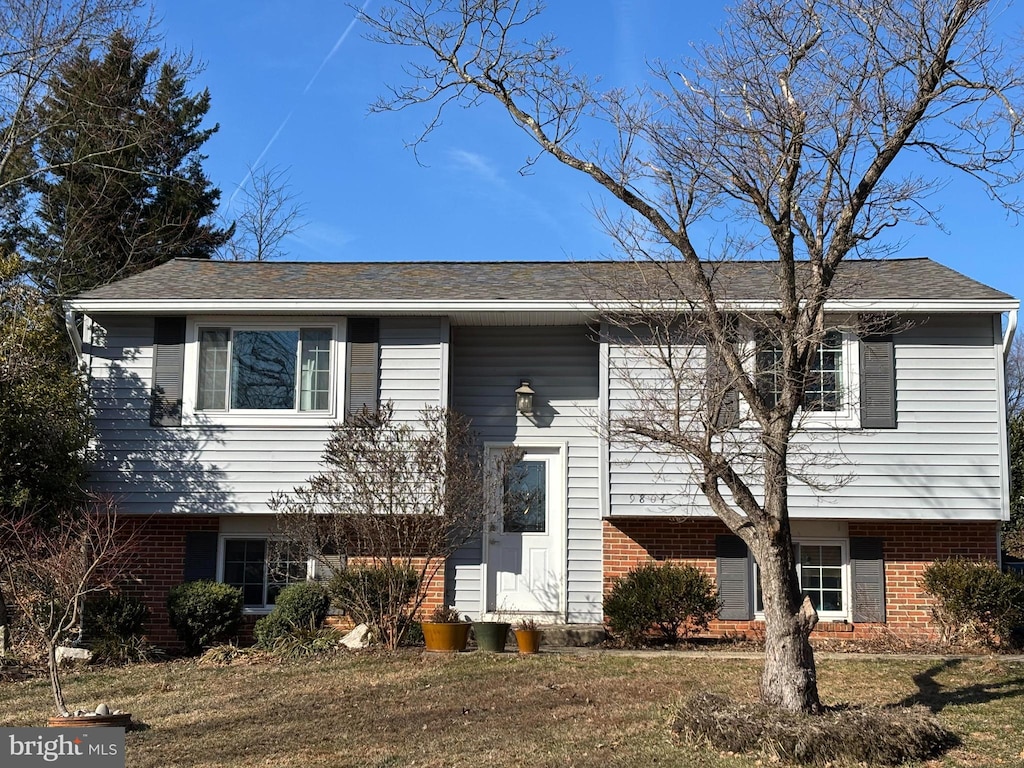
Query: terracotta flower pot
x,y
445,638
123,720
528,640
491,635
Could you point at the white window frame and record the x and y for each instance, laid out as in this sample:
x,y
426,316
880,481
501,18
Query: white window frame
x,y
845,417
222,540
192,416
847,613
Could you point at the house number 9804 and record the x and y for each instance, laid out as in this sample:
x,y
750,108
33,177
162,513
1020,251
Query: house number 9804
x,y
647,498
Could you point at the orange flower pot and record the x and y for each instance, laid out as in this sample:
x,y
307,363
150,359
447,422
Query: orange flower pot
x,y
445,638
528,640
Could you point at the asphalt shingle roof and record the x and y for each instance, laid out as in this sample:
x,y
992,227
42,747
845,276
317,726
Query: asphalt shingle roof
x,y
197,279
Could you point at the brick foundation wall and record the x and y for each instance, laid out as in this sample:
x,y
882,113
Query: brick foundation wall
x,y
434,589
909,548
159,565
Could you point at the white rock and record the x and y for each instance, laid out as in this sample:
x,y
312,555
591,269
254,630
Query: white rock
x,y
102,709
357,638
68,654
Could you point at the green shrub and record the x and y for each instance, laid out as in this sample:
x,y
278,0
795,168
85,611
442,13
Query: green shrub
x,y
303,604
204,613
975,601
269,628
677,599
379,597
300,607
114,625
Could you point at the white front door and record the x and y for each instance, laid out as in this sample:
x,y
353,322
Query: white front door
x,y
525,544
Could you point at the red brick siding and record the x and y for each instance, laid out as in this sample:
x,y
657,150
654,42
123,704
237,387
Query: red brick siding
x,y
435,582
909,548
159,564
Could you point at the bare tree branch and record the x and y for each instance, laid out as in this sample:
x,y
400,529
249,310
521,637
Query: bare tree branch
x,y
787,130
269,214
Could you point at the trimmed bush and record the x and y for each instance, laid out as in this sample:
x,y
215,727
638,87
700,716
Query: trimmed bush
x,y
204,613
849,735
300,607
379,597
676,599
303,604
114,625
269,628
976,602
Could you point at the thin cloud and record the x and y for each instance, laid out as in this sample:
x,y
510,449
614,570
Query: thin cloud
x,y
322,239
477,164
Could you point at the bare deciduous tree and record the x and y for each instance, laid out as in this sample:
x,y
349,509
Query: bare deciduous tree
x,y
269,213
396,496
784,138
37,36
49,572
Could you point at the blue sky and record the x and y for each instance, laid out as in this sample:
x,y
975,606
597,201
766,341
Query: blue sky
x,y
289,85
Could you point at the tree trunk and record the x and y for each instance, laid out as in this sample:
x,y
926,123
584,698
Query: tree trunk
x,y
58,692
790,680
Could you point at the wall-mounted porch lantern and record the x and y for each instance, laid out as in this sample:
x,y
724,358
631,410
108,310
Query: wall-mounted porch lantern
x,y
524,398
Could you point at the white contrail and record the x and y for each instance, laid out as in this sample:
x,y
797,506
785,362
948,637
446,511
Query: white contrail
x,y
327,58
334,50
256,164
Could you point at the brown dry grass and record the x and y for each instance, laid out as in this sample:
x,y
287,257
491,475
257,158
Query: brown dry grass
x,y
413,709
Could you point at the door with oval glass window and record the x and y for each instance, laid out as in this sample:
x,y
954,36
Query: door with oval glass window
x,y
524,547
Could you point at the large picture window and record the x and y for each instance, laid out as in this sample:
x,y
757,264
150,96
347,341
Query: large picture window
x,y
824,390
264,369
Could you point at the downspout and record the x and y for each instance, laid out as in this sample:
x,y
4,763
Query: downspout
x,y
76,343
1011,329
76,339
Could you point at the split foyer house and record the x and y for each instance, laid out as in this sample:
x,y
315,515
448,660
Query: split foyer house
x,y
216,384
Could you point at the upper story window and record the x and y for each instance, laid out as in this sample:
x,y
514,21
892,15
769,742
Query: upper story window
x,y
824,390
278,369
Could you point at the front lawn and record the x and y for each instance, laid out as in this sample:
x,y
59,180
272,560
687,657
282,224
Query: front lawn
x,y
374,710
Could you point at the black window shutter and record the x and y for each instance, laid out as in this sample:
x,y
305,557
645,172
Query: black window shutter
x,y
725,400
867,572
733,575
363,364
168,371
200,555
877,383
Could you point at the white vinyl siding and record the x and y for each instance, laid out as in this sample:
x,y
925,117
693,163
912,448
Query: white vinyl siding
x,y
562,366
218,468
943,460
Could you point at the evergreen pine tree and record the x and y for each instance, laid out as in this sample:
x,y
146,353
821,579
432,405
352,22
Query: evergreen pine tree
x,y
126,189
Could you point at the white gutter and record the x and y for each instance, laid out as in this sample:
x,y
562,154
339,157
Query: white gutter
x,y
407,306
76,339
1011,329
